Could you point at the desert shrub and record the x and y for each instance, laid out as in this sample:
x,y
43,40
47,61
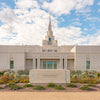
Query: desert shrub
x,y
85,87
85,77
9,84
39,87
5,78
59,87
13,81
13,86
2,73
71,85
20,72
74,80
23,72
28,85
2,82
91,85
1,87
98,74
24,81
51,85
26,72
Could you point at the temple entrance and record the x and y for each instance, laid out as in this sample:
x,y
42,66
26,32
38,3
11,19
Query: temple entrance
x,y
49,64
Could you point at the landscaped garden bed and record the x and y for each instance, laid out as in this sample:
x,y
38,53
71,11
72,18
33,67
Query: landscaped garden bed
x,y
19,81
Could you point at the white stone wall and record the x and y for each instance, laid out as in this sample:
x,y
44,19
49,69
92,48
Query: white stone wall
x,y
87,52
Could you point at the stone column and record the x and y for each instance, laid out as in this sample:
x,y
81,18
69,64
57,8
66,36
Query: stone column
x,y
65,63
61,63
34,63
38,63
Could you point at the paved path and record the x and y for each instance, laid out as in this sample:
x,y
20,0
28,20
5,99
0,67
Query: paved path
x,y
49,95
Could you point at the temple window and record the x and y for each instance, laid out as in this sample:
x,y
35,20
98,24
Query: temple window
x,y
49,41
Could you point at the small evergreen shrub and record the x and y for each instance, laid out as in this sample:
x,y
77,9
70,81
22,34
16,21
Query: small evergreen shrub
x,y
28,85
1,87
15,87
85,87
51,85
59,87
10,84
39,87
91,85
71,85
23,72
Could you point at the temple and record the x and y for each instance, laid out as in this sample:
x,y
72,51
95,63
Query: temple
x,y
49,55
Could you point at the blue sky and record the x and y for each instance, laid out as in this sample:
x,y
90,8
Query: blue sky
x,y
74,22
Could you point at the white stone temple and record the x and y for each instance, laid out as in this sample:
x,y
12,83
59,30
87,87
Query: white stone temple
x,y
49,56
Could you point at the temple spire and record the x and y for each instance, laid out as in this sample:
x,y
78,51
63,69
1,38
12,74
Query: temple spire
x,y
49,26
49,39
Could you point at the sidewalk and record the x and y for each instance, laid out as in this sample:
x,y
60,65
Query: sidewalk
x,y
49,95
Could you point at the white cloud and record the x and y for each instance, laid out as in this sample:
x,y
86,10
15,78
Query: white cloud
x,y
25,4
7,15
16,21
59,7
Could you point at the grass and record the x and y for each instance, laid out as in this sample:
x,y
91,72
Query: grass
x,y
39,87
71,85
51,85
28,85
85,87
59,87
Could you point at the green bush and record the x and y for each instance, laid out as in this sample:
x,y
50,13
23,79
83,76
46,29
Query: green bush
x,y
85,87
2,73
15,87
1,87
39,87
71,85
23,72
59,87
10,84
28,85
51,85
91,85
20,72
26,72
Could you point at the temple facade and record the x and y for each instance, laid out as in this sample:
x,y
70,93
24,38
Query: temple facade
x,y
49,56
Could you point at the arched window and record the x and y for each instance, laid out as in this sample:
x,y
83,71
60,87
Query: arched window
x,y
49,41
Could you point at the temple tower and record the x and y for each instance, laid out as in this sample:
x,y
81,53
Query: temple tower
x,y
49,39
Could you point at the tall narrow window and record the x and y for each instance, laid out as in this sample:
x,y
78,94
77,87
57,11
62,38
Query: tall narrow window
x,y
11,64
49,64
44,64
88,64
49,41
55,64
36,63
